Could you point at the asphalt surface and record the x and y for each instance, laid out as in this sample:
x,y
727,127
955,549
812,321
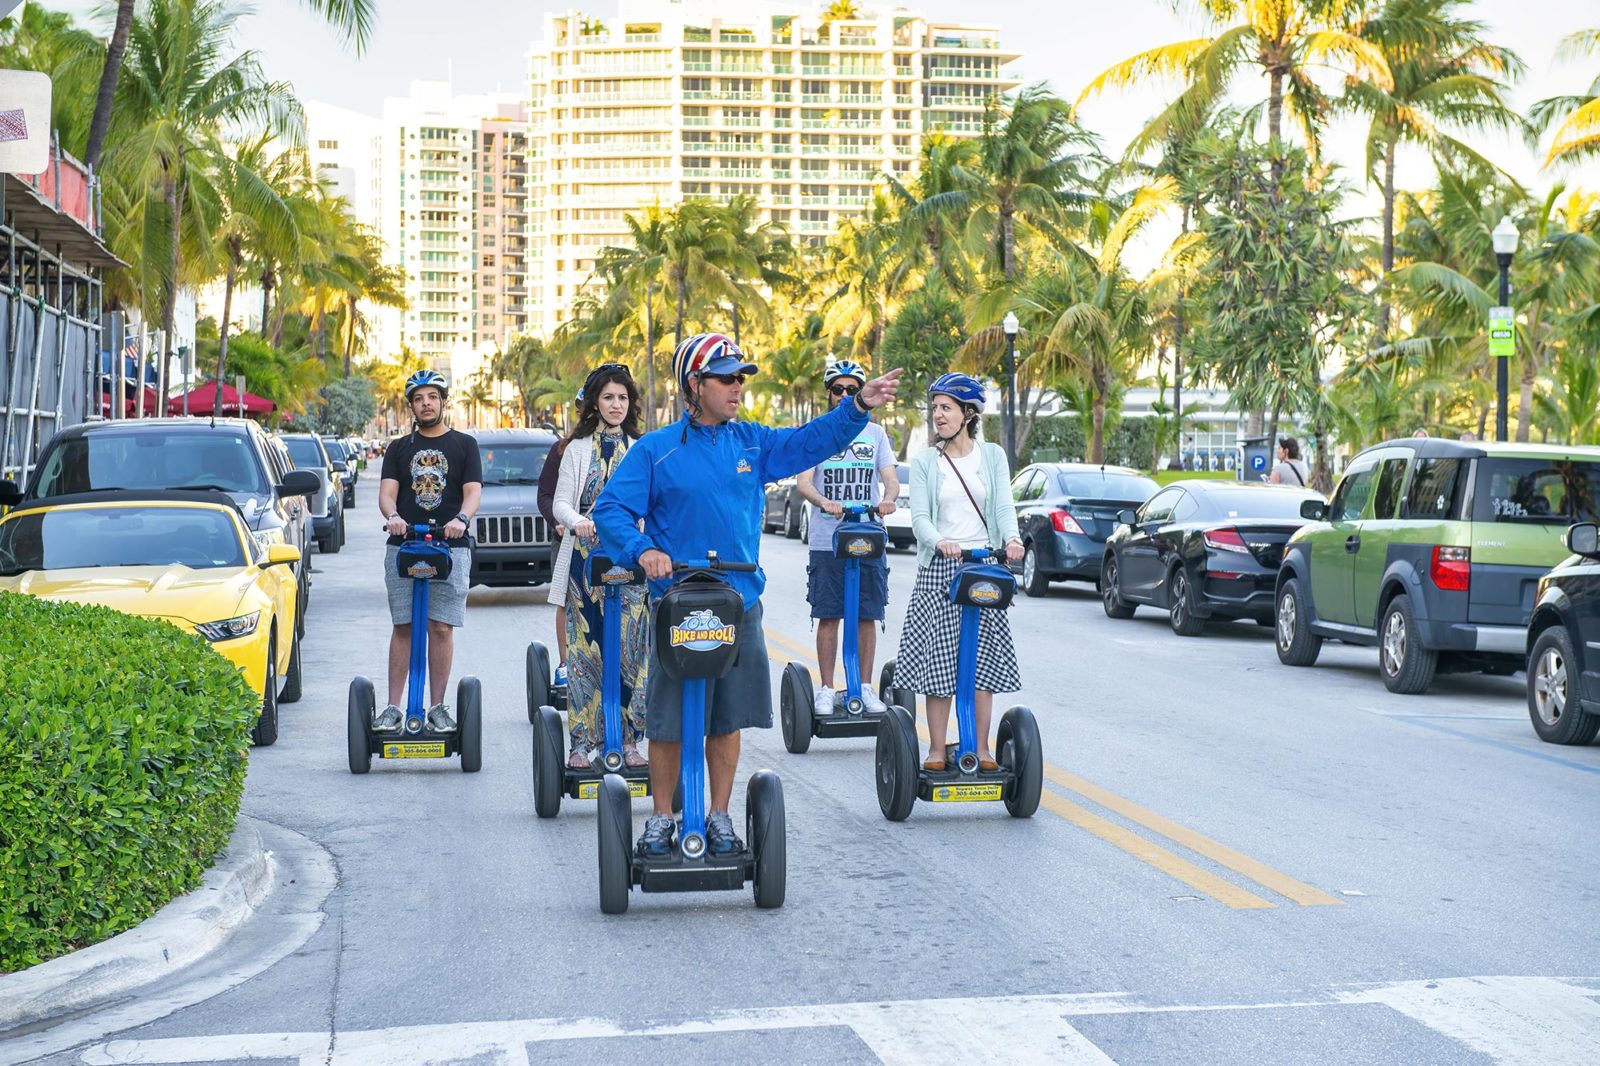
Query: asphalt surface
x,y
1234,861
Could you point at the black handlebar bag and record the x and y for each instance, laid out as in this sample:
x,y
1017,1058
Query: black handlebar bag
x,y
428,560
984,585
697,627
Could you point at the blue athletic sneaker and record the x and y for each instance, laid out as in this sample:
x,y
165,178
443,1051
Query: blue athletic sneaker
x,y
561,676
656,840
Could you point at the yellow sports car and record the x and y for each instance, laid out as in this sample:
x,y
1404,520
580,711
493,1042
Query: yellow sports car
x,y
184,557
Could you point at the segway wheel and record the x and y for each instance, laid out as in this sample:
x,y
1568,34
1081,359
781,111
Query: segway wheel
x,y
549,752
895,764
358,725
469,723
538,679
895,697
614,814
764,826
1022,753
795,704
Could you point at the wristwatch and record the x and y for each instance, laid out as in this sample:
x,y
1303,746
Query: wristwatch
x,y
464,520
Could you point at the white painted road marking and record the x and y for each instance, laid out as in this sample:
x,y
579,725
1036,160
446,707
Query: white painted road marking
x,y
1511,1020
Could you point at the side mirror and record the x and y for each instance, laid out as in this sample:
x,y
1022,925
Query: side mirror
x,y
1315,510
1583,539
1128,516
299,483
280,554
10,493
339,467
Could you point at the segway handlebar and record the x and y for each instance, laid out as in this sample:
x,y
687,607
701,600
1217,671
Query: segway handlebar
x,y
711,562
976,555
858,512
427,530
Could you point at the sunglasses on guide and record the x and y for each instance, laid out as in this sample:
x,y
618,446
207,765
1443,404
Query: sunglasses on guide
x,y
844,390
727,379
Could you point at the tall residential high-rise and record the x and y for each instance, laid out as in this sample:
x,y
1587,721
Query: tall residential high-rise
x,y
681,99
344,148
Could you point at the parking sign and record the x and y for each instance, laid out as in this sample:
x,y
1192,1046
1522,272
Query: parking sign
x,y
1502,333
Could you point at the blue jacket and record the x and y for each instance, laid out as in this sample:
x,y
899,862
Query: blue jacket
x,y
702,488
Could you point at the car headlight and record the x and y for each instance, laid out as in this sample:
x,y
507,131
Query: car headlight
x,y
268,537
230,628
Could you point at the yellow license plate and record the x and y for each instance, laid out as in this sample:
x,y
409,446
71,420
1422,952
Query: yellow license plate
x,y
588,790
967,793
414,749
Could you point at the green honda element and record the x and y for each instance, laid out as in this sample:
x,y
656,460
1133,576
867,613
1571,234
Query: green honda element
x,y
1431,551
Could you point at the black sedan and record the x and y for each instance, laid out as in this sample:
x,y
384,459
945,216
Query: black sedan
x,y
786,512
1065,512
1564,644
1202,550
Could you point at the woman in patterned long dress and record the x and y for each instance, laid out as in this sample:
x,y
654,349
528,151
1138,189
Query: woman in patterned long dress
x,y
960,498
608,422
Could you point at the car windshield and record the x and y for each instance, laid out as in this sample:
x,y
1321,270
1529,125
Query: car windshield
x,y
1253,503
1094,485
197,537
305,453
1539,491
513,464
336,450
152,457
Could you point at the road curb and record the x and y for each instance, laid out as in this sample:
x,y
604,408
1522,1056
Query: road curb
x,y
179,935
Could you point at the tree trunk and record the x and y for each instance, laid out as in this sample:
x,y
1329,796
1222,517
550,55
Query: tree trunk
x,y
1097,439
1008,238
222,332
1322,472
650,356
1525,396
1272,432
736,321
1388,236
169,302
1483,421
109,75
349,336
1178,333
1275,115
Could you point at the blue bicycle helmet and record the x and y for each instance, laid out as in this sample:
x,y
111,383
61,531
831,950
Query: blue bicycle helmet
x,y
844,368
426,377
962,388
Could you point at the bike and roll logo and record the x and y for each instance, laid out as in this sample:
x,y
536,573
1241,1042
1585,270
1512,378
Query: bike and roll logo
x,y
702,631
984,592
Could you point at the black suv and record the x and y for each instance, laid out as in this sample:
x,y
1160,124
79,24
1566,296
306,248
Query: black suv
x,y
230,455
1564,644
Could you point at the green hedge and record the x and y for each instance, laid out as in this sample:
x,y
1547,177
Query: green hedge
x,y
123,747
1061,437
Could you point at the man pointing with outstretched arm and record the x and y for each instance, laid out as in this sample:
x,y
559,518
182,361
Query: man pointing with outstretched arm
x,y
698,485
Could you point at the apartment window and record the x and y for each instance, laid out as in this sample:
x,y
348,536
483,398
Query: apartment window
x,y
329,146
696,85
488,260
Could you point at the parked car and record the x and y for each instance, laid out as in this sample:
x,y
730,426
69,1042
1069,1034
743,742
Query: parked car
x,y
184,557
785,511
327,508
233,455
1065,512
346,463
1432,552
512,541
1202,550
898,524
1564,644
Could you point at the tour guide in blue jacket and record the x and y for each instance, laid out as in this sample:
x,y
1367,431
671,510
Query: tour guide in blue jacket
x,y
698,485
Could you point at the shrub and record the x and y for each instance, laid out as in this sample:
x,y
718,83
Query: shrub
x,y
122,758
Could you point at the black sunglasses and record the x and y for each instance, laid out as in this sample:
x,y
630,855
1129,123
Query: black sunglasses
x,y
727,379
844,390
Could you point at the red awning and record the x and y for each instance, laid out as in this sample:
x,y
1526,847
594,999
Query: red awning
x,y
151,404
203,400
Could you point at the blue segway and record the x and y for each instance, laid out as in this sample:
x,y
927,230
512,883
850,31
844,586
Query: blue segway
x,y
552,777
979,585
858,538
422,559
696,626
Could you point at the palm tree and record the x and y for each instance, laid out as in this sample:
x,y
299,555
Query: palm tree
x,y
1285,39
1578,135
862,259
353,18
929,242
758,256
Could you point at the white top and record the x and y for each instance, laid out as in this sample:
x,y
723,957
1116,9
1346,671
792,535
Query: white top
x,y
958,520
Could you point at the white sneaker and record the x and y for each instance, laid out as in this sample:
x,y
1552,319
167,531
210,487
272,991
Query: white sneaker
x,y
823,704
870,698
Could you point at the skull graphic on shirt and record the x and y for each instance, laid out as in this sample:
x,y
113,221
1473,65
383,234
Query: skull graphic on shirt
x,y
428,471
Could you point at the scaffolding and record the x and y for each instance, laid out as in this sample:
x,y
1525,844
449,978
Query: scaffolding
x,y
51,304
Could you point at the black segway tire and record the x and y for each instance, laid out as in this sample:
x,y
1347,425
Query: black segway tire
x,y
469,721
795,707
764,827
358,725
538,679
895,763
1021,751
893,696
549,753
614,816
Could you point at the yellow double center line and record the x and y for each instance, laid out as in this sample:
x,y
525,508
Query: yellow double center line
x,y
1163,859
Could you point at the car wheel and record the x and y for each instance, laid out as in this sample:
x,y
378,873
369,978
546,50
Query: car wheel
x,y
791,524
335,536
1110,594
1297,645
1034,581
265,733
1406,665
1181,613
341,527
1553,705
805,522
293,676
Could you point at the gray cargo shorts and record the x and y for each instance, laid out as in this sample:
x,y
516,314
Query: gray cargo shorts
x,y
447,600
741,700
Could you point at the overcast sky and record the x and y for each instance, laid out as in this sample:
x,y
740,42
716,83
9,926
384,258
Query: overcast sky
x,y
482,44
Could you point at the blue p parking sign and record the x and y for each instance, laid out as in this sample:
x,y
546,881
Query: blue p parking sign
x,y
1258,462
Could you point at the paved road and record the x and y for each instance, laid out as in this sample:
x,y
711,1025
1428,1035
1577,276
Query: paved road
x,y
1234,861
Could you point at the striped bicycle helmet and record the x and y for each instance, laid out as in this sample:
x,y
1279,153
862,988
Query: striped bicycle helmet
x,y
708,353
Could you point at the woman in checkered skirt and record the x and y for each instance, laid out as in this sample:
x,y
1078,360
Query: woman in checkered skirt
x,y
960,498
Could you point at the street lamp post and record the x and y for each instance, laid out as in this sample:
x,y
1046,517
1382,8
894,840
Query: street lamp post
x,y
1504,238
1009,324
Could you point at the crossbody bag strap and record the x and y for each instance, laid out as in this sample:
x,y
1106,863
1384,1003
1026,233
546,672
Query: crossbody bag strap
x,y
971,498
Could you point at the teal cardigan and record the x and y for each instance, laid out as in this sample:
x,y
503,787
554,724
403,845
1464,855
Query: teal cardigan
x,y
1000,512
